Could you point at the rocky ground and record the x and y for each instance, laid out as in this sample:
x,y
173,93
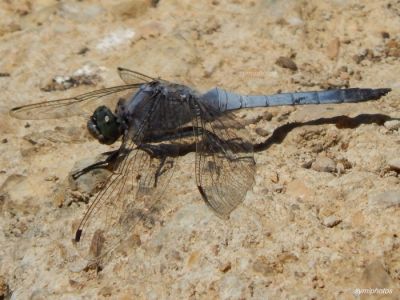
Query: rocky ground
x,y
323,217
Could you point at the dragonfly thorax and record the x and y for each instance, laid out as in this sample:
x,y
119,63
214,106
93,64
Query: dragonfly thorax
x,y
104,125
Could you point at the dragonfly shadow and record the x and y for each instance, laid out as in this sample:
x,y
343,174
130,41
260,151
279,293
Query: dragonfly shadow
x,y
282,131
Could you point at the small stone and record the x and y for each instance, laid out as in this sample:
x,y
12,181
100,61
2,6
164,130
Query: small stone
x,y
262,132
324,164
274,177
394,164
287,63
331,221
278,188
384,199
267,116
225,267
4,141
332,50
83,50
307,164
340,169
385,35
392,124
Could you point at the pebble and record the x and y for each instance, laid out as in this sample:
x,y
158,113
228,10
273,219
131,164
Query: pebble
x,y
340,168
384,199
274,177
262,132
394,164
307,164
331,221
324,164
332,50
287,63
225,267
267,116
392,124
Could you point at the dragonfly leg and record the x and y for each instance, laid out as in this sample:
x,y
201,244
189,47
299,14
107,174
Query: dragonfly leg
x,y
111,159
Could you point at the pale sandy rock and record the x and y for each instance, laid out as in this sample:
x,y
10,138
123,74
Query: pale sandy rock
x,y
331,221
276,244
384,199
324,164
392,125
80,11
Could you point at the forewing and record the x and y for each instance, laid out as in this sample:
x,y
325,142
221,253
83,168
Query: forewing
x,y
80,105
225,164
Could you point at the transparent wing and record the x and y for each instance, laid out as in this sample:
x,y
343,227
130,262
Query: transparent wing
x,y
130,195
74,106
133,77
225,164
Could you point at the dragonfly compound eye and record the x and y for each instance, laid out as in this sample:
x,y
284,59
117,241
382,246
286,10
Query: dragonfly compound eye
x,y
104,125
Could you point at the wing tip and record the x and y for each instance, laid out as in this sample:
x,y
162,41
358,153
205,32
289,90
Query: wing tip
x,y
13,112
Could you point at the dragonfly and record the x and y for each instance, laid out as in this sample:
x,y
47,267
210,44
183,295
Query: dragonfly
x,y
157,122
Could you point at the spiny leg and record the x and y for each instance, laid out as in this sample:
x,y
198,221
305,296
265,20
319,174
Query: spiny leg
x,y
110,161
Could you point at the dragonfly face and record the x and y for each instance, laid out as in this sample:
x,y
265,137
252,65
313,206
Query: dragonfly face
x,y
104,125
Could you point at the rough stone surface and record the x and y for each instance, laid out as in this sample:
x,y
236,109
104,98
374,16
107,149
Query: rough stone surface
x,y
385,199
274,245
324,164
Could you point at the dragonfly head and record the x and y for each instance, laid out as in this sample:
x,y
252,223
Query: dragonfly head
x,y
104,125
